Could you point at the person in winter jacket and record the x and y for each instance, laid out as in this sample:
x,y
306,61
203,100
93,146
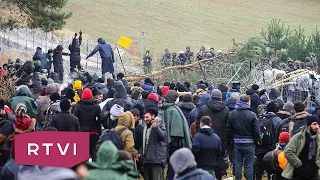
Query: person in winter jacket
x,y
154,145
57,61
193,119
101,86
298,121
107,57
138,126
217,110
23,95
303,152
263,149
64,121
178,134
235,88
74,49
111,121
148,85
232,101
224,90
243,129
274,95
41,56
186,106
286,111
206,146
88,113
108,166
135,96
126,121
185,166
254,98
120,77
5,113
23,123
44,101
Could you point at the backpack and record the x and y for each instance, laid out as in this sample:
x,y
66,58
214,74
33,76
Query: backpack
x,y
273,161
53,109
267,132
284,126
113,136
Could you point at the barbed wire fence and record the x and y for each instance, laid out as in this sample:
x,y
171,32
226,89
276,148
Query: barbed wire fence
x,y
22,42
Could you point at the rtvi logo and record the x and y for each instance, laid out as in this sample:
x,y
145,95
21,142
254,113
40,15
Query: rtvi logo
x,y
52,148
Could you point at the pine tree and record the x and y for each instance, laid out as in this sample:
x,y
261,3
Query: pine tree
x,y
44,14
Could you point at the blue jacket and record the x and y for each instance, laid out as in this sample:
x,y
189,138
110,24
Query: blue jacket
x,y
106,54
101,87
41,56
206,148
198,174
148,87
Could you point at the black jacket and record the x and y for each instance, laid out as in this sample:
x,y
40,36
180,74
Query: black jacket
x,y
74,49
88,113
156,150
186,108
218,112
243,124
64,121
206,148
120,98
138,135
254,99
57,60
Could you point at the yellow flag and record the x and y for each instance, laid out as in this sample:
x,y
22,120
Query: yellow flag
x,y
124,42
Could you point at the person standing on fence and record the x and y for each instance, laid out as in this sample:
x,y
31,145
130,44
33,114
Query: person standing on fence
x,y
57,61
107,57
74,48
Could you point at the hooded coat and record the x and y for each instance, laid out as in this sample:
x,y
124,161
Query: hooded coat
x,y
186,108
41,56
106,54
23,95
107,166
254,99
74,49
126,120
218,112
176,124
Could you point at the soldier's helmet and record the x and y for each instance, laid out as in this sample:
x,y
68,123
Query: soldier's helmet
x,y
202,48
166,50
188,48
181,52
174,54
147,51
297,62
307,59
310,65
289,60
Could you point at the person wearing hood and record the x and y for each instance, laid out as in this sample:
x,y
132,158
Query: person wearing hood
x,y
23,95
135,96
254,98
148,85
303,152
106,98
224,90
41,57
178,134
64,121
243,130
264,148
23,123
107,56
88,113
286,111
108,165
58,61
126,121
154,145
44,101
74,49
298,121
206,146
185,166
232,101
274,95
186,106
194,116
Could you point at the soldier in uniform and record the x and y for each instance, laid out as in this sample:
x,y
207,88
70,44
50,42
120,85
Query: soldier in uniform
x,y
209,54
175,60
166,58
147,62
182,57
290,64
189,55
201,53
297,65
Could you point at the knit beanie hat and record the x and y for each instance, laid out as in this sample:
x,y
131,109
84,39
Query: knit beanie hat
x,y
312,119
187,98
171,96
255,87
137,84
272,107
116,110
180,88
288,106
65,105
284,137
216,95
152,108
55,96
164,90
154,97
182,159
87,94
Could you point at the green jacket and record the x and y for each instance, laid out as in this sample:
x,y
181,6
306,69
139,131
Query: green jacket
x,y
24,96
176,123
107,166
292,152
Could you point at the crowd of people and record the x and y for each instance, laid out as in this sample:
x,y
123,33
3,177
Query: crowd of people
x,y
173,130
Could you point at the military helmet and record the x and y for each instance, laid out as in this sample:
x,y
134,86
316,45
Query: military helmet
x,y
188,48
307,59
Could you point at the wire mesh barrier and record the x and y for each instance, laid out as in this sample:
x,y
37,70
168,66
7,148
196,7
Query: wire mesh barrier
x,y
22,42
